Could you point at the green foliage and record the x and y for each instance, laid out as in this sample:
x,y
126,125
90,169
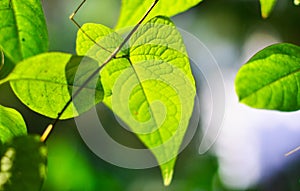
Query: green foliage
x,y
11,124
23,164
44,83
271,79
23,31
133,10
154,67
266,7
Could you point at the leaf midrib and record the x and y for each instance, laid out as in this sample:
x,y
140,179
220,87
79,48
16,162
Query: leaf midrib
x,y
148,102
271,82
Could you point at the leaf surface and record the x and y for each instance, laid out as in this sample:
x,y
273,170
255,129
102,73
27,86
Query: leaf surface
x,y
151,88
133,10
271,79
23,31
11,124
46,82
266,7
23,164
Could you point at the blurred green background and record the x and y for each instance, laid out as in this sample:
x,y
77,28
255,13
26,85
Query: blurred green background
x,y
233,31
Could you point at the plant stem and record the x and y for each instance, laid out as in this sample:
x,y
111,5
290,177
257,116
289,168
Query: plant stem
x,y
50,127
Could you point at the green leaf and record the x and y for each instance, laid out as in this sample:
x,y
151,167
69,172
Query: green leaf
x,y
271,79
23,31
23,164
133,10
297,2
46,82
106,38
150,87
267,7
11,124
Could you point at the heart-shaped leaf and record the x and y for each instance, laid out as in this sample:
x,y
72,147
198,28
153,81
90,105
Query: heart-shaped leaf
x,y
133,10
271,79
149,86
44,83
23,31
23,164
11,124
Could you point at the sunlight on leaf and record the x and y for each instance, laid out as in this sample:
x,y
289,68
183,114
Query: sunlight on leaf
x,y
23,164
151,88
267,7
23,31
271,79
11,124
297,2
133,10
44,83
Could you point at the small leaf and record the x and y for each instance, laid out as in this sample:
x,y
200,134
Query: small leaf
x,y
105,38
23,164
267,7
46,82
271,79
11,124
23,31
133,10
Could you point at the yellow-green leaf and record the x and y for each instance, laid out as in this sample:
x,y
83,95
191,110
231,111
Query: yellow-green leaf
x,y
271,79
133,10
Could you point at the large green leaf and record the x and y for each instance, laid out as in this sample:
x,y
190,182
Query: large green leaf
x,y
23,31
150,87
266,7
133,10
23,164
11,124
271,79
45,82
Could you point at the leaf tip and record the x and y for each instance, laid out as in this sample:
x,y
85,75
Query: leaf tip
x,y
168,175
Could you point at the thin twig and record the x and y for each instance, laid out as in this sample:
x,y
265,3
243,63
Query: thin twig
x,y
292,151
96,72
71,17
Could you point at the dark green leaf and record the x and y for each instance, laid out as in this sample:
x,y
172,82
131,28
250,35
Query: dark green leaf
x,y
23,31
271,79
11,124
23,164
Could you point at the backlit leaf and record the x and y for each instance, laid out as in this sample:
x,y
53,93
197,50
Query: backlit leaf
x,y
151,88
45,82
133,10
23,31
271,79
